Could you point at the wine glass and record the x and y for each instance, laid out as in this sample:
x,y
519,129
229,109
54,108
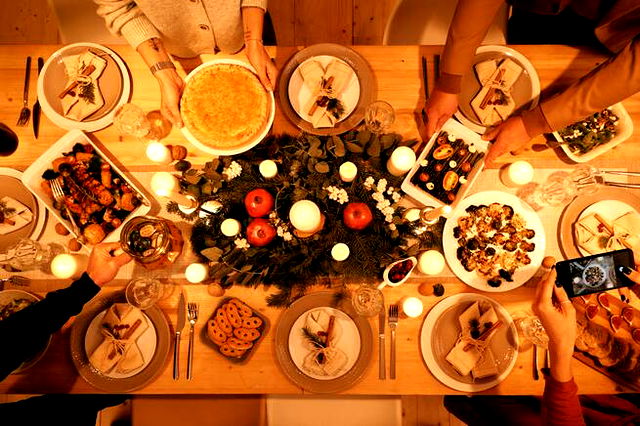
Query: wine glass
x,y
8,141
561,187
379,116
367,300
131,120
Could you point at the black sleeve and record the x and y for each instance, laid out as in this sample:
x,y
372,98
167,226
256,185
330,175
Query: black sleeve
x,y
24,333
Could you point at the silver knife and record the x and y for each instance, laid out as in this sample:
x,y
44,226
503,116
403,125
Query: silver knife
x,y
381,361
36,106
182,316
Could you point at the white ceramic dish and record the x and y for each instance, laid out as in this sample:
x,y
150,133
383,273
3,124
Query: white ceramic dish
x,y
206,148
50,83
32,178
438,337
460,131
385,275
40,216
624,132
473,278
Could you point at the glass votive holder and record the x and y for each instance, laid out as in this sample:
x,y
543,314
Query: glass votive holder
x,y
379,116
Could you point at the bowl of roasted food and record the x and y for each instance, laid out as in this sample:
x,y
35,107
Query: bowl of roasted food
x,y
225,108
447,167
96,194
586,139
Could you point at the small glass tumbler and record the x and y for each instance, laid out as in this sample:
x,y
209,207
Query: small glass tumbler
x,y
27,255
143,293
530,328
379,116
131,120
367,300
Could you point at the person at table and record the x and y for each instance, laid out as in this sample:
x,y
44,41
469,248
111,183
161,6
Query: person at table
x,y
187,29
615,23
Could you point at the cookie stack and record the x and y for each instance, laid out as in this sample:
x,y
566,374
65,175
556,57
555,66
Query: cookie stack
x,y
234,328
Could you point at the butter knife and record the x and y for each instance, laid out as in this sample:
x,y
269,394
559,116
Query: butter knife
x,y
381,361
36,106
182,316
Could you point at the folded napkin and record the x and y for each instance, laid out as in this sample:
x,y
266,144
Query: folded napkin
x,y
326,87
595,235
494,102
17,215
324,357
85,98
118,352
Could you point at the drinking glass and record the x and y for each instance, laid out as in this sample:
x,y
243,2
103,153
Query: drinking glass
x,y
379,116
8,141
367,300
143,293
561,187
131,120
531,329
27,255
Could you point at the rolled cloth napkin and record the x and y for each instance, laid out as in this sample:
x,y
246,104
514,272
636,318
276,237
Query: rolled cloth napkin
x,y
18,215
85,98
122,325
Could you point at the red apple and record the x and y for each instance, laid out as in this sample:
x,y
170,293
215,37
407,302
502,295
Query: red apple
x,y
260,232
357,216
258,202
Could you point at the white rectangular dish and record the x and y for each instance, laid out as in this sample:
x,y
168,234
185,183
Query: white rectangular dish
x,y
32,178
624,132
457,130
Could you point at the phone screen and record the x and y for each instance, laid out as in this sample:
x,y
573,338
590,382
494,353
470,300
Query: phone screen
x,y
594,274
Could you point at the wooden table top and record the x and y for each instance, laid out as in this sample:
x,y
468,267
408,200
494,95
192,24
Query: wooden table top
x,y
398,74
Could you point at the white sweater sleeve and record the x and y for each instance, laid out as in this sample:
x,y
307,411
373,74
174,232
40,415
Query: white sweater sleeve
x,y
124,18
262,4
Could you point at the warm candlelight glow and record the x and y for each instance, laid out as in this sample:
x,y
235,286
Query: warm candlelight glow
x,y
348,171
411,215
196,273
340,252
432,215
517,174
66,266
165,184
268,169
412,307
159,153
401,161
230,227
431,262
305,216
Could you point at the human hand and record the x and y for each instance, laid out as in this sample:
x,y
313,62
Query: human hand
x,y
103,266
261,61
439,108
171,87
510,135
558,317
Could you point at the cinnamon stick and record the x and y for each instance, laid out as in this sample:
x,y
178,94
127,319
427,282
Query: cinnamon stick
x,y
85,72
609,229
489,331
126,336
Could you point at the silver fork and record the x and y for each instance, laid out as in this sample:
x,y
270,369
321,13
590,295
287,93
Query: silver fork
x,y
192,315
25,112
59,196
393,323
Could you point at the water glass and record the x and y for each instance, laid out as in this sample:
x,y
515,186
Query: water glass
x,y
367,300
379,116
143,293
530,328
131,120
27,255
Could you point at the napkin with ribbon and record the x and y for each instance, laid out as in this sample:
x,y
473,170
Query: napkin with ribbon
x,y
322,333
324,108
595,235
122,325
494,102
15,215
84,98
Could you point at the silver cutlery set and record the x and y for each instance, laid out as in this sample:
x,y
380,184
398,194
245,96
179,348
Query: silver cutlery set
x,y
186,312
26,112
393,323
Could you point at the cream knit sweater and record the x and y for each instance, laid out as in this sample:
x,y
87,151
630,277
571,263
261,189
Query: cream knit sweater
x,y
186,27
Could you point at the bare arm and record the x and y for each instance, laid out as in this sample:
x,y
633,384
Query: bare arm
x,y
252,23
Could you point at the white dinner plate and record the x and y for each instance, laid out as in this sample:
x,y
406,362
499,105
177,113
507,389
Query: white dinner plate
x,y
440,331
473,278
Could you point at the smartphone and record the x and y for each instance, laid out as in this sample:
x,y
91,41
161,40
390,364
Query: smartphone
x,y
594,274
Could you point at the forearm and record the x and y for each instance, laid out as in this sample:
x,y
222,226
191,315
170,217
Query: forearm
x,y
252,24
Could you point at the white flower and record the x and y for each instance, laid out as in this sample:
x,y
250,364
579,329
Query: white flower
x,y
241,243
390,190
287,236
273,215
396,197
337,194
392,227
368,183
382,185
233,171
377,196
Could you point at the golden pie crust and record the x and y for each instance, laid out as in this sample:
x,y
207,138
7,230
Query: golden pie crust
x,y
225,106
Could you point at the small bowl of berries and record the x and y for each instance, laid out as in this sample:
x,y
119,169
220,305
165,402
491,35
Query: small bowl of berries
x,y
398,272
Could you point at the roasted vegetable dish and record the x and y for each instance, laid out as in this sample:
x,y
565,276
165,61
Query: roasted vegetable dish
x,y
446,167
98,198
595,130
12,307
494,241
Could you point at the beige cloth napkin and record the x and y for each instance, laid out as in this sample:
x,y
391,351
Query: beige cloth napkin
x,y
22,215
593,237
75,106
502,79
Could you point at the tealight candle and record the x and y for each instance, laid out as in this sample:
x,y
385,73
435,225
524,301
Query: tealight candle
x,y
159,153
268,169
401,161
348,171
66,266
196,273
411,215
431,215
230,227
411,307
431,262
305,216
164,184
340,252
517,174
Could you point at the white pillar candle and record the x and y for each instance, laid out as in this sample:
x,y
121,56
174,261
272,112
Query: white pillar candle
x,y
66,266
230,227
340,252
305,216
517,174
411,215
159,153
268,169
431,215
431,262
196,273
401,161
411,307
166,185
348,171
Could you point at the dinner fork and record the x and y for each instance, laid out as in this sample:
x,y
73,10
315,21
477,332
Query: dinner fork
x,y
588,175
192,315
58,195
25,112
393,323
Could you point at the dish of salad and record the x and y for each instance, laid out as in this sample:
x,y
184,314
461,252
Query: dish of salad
x,y
593,131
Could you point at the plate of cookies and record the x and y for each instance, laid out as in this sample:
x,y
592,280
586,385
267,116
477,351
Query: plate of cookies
x,y
235,329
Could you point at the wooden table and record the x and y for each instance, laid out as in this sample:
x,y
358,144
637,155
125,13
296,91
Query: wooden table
x,y
398,74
